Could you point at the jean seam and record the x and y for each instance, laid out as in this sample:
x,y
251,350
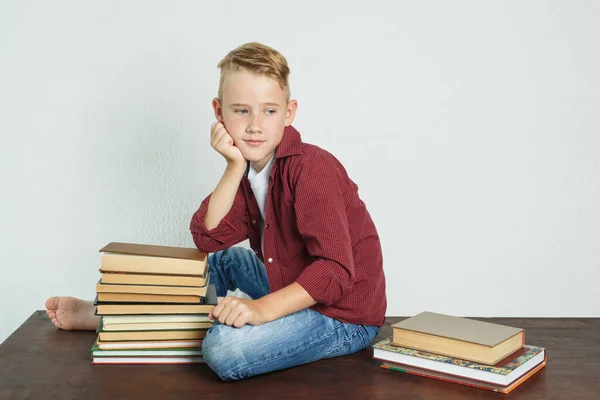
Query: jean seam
x,y
283,355
345,342
364,335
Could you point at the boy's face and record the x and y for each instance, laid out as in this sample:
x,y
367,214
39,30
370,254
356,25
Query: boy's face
x,y
254,110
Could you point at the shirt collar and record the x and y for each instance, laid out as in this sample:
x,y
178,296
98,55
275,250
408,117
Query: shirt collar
x,y
291,143
252,172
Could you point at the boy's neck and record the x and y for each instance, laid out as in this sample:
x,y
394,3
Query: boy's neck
x,y
259,168
256,167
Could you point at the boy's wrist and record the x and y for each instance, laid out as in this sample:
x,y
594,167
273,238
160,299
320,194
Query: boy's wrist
x,y
235,171
264,309
236,165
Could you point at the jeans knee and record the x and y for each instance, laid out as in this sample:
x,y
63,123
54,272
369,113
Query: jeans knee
x,y
219,350
231,253
214,353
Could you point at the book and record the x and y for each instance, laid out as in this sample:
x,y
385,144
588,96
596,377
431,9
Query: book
x,y
462,381
148,360
205,307
124,278
149,344
156,352
157,326
151,335
120,309
147,298
151,289
150,259
500,377
158,318
463,338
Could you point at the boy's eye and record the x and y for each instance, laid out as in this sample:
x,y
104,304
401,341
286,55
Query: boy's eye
x,y
271,111
241,111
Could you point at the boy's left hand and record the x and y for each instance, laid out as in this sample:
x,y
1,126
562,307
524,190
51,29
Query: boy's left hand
x,y
237,312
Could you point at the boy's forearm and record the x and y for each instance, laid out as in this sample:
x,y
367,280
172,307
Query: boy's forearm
x,y
222,197
285,301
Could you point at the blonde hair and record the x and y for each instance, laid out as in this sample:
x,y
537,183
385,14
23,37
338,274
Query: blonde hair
x,y
259,59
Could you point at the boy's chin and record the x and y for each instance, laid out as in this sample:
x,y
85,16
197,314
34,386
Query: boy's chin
x,y
255,156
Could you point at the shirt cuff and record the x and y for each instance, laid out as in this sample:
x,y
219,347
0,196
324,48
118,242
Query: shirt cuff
x,y
221,233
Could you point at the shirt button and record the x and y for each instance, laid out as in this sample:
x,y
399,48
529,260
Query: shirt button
x,y
254,221
270,260
267,226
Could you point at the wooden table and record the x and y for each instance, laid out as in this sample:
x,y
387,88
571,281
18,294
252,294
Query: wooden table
x,y
40,362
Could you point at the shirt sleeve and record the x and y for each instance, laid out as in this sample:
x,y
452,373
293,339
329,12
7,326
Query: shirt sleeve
x,y
232,229
323,223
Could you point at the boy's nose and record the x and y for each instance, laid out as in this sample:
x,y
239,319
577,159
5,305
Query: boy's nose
x,y
253,126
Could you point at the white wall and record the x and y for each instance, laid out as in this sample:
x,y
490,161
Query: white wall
x,y
472,129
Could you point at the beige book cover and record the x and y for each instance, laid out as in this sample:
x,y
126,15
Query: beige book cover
x,y
121,309
151,335
120,278
458,328
175,326
148,298
152,289
151,259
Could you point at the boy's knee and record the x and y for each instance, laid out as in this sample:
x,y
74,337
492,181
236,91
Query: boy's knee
x,y
223,352
214,352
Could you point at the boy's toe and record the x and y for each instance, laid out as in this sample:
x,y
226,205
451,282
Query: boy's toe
x,y
52,303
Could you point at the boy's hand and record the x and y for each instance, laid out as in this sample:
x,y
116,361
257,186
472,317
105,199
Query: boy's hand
x,y
237,312
222,142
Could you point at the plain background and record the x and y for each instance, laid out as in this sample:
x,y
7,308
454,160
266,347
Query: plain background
x,y
471,128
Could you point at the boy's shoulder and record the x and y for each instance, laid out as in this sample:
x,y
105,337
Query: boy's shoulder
x,y
313,151
303,152
308,160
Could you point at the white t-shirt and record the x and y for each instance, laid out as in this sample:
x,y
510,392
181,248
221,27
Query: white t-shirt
x,y
259,181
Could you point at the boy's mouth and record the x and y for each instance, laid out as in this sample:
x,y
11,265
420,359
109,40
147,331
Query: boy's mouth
x,y
254,142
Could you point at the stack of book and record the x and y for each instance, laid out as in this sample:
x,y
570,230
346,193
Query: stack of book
x,y
460,350
153,303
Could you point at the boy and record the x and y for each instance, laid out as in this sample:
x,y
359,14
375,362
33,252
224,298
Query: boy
x,y
315,271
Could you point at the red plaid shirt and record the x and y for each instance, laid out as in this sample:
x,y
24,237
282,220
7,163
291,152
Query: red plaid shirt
x,y
317,232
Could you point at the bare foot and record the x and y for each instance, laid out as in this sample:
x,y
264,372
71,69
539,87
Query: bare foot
x,y
70,313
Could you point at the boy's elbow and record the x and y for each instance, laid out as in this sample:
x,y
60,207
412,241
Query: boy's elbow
x,y
345,279
334,293
346,287
204,243
349,277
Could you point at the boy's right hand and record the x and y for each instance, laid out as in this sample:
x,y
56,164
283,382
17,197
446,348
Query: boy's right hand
x,y
223,143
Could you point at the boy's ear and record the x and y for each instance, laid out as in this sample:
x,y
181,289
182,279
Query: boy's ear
x,y
291,112
218,108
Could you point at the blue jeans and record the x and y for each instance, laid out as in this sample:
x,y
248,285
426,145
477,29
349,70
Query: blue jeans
x,y
298,338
